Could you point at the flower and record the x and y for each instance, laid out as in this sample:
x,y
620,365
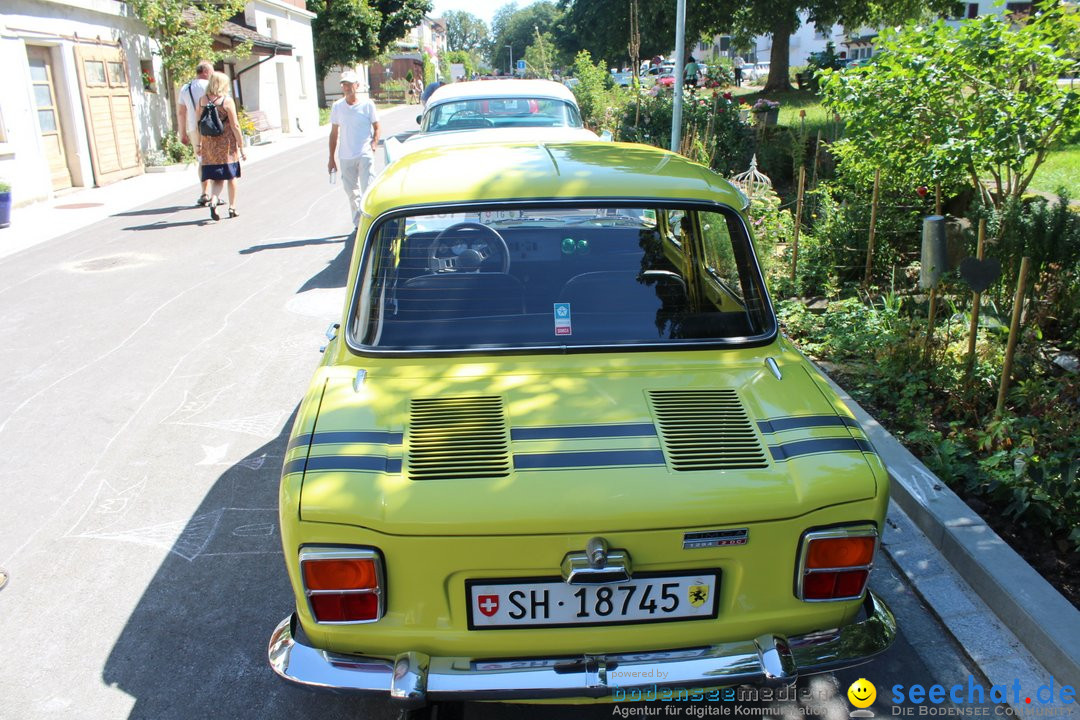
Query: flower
x,y
726,96
764,105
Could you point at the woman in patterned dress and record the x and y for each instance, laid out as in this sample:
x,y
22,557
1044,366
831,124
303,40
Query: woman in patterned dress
x,y
221,154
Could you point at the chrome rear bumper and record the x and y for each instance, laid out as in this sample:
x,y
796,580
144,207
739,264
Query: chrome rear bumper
x,y
415,678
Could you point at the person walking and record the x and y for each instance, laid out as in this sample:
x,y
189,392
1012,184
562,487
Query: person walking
x,y
187,117
354,134
222,153
690,74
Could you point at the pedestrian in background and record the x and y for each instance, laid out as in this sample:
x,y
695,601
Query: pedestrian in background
x,y
354,134
221,154
690,74
187,115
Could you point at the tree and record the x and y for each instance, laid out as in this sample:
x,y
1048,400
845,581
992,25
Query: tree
x,y
517,29
465,31
344,31
185,38
397,18
350,31
981,100
603,27
464,58
542,57
781,18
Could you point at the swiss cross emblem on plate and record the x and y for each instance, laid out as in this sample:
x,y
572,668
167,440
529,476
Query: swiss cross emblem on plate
x,y
488,604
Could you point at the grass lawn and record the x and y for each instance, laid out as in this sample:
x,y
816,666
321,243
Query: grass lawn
x,y
1061,169
790,104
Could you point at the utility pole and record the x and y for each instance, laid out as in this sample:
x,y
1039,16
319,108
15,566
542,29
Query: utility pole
x,y
680,62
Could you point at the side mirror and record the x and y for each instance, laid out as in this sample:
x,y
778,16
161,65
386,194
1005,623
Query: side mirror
x,y
418,118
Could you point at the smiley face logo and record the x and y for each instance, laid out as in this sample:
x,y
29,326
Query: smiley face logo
x,y
862,693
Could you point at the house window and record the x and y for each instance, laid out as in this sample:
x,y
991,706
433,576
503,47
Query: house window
x,y
146,72
300,65
973,11
1018,7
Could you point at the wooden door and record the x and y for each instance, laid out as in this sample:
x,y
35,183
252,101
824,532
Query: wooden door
x,y
110,119
48,115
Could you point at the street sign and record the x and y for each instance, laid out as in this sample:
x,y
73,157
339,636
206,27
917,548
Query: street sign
x,y
521,65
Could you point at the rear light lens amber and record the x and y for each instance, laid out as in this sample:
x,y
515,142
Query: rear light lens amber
x,y
835,564
840,552
343,585
346,573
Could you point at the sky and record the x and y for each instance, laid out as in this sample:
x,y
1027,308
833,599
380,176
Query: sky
x,y
483,9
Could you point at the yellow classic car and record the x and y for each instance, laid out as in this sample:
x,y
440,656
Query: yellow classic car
x,y
558,449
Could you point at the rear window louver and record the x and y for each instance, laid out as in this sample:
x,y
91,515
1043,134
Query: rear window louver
x,y
706,430
457,438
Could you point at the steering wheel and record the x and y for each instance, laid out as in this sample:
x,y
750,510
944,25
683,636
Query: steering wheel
x,y
465,247
469,115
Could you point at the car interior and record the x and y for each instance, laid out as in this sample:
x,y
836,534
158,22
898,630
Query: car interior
x,y
610,279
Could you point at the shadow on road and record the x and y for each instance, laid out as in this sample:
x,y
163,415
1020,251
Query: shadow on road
x,y
157,211
195,646
330,240
336,272
168,225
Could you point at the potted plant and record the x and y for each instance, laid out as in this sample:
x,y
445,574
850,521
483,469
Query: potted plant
x,y
766,112
5,204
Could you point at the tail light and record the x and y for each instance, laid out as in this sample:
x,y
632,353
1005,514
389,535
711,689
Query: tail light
x,y
343,585
835,564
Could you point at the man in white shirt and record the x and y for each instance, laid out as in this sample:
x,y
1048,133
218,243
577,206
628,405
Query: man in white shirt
x,y
188,116
354,134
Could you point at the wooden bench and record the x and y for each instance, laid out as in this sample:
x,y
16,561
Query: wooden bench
x,y
262,125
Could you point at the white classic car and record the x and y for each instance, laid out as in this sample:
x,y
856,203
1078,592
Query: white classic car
x,y
495,111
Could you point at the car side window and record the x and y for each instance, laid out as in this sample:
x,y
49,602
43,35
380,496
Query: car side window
x,y
719,254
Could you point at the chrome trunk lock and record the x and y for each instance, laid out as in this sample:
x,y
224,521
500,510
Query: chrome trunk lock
x,y
597,565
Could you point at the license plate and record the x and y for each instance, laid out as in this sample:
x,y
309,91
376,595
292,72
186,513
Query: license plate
x,y
544,602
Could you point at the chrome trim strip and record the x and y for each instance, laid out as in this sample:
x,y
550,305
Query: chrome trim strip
x,y
838,532
767,659
774,368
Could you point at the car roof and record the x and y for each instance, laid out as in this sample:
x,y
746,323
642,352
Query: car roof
x,y
540,171
493,89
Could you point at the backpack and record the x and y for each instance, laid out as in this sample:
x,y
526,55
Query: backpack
x,y
210,121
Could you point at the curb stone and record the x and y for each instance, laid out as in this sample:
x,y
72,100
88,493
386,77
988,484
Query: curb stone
x,y
1045,623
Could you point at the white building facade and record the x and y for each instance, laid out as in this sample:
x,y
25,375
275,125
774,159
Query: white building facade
x,y
84,98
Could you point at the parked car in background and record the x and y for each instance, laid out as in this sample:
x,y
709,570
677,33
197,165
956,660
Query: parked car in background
x,y
658,74
471,112
558,448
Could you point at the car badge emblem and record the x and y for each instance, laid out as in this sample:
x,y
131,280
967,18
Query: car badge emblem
x,y
488,604
715,538
697,594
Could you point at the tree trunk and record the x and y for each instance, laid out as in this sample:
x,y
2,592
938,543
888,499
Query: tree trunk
x,y
780,58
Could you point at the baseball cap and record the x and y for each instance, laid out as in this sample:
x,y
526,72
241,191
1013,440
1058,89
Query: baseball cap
x,y
350,77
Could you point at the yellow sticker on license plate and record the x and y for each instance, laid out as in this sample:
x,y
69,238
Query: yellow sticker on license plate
x,y
543,602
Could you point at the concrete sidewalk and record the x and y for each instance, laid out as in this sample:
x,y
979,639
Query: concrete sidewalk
x,y
78,208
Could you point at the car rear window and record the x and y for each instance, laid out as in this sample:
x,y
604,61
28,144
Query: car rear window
x,y
559,277
500,112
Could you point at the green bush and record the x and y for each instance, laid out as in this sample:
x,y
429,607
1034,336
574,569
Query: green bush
x,y
711,131
175,151
1024,464
595,92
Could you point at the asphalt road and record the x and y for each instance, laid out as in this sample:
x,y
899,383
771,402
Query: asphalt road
x,y
151,366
